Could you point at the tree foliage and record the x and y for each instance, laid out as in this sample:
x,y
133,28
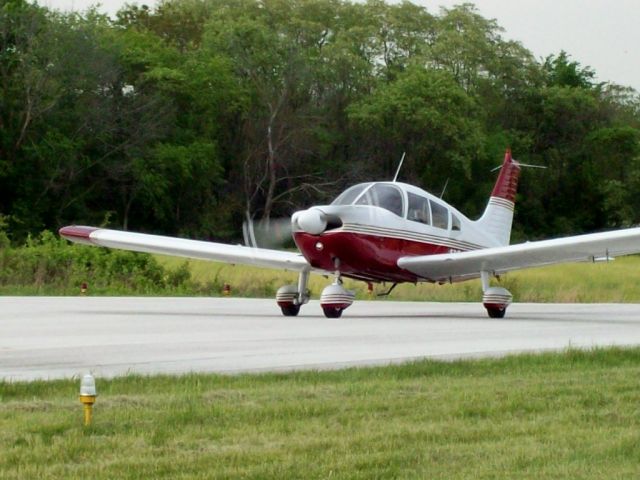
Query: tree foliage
x,y
188,117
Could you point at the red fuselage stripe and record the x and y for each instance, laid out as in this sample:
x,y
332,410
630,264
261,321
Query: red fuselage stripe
x,y
365,256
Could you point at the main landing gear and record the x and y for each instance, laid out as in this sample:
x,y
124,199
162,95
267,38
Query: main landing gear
x,y
334,299
291,297
495,299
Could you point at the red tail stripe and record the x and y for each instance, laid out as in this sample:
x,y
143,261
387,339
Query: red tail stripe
x,y
507,183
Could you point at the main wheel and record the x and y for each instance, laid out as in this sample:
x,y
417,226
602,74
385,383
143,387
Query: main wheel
x,y
290,310
332,312
496,312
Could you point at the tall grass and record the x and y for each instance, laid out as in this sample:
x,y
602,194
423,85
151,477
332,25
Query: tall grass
x,y
49,265
616,281
555,415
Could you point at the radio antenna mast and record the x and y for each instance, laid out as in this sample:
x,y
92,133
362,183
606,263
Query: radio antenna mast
x,y
399,167
444,189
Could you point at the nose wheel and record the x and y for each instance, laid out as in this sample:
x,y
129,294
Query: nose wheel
x,y
496,312
290,310
332,312
335,298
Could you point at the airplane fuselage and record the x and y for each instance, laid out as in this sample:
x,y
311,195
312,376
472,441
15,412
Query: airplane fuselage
x,y
366,257
364,236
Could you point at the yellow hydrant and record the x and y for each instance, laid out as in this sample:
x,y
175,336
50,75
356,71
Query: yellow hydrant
x,y
88,396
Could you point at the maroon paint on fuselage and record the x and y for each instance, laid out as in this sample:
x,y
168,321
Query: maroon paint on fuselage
x,y
362,256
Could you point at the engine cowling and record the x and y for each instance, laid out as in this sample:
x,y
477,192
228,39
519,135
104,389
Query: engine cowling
x,y
312,221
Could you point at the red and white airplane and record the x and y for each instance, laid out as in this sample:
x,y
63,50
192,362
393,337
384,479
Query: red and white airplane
x,y
390,232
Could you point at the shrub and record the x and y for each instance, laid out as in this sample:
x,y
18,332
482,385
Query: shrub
x,y
48,264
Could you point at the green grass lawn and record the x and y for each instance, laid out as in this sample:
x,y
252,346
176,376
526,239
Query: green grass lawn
x,y
616,281
555,415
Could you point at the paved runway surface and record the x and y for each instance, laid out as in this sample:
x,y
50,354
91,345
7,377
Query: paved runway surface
x,y
43,337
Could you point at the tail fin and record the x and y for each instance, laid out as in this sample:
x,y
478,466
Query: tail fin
x,y
498,216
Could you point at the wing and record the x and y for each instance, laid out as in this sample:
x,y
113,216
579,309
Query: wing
x,y
181,247
591,247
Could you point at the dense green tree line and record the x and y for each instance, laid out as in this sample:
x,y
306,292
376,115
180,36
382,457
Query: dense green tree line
x,y
186,118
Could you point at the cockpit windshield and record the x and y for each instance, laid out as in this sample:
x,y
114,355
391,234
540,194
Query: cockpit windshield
x,y
376,194
350,194
384,196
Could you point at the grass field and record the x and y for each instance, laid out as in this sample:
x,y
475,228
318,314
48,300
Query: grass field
x,y
49,265
616,281
567,415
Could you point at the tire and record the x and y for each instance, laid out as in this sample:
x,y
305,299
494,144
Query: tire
x,y
290,310
496,312
332,312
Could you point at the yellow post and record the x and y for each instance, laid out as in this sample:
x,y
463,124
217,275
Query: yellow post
x,y
87,402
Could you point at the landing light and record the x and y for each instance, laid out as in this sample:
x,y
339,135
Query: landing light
x,y
88,396
319,246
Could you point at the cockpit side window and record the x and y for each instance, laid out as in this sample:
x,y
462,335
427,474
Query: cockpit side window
x,y
350,194
455,223
418,209
384,196
440,215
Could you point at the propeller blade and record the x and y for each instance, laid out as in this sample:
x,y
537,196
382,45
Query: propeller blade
x,y
272,233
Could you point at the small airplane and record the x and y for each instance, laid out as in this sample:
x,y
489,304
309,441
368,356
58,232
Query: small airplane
x,y
391,232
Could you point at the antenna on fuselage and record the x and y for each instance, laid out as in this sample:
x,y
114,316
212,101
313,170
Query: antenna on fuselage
x,y
526,165
399,167
444,189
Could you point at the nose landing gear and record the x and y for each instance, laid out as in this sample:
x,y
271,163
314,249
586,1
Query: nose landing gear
x,y
335,298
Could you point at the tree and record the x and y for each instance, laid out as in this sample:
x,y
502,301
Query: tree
x,y
275,71
186,117
428,115
562,72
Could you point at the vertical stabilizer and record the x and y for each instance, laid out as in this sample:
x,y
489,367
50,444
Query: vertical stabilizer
x,y
498,216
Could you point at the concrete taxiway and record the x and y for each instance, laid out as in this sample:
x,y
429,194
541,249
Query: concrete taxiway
x,y
45,337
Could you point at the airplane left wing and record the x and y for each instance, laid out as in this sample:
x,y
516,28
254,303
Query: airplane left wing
x,y
591,247
181,247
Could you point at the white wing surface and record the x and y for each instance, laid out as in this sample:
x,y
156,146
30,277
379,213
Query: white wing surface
x,y
181,247
591,247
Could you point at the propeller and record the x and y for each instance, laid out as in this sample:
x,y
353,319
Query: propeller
x,y
269,233
277,232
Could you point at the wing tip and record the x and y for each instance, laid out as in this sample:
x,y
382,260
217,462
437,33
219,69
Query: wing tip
x,y
77,233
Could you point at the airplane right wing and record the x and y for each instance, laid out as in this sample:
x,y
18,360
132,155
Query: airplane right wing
x,y
591,247
182,247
